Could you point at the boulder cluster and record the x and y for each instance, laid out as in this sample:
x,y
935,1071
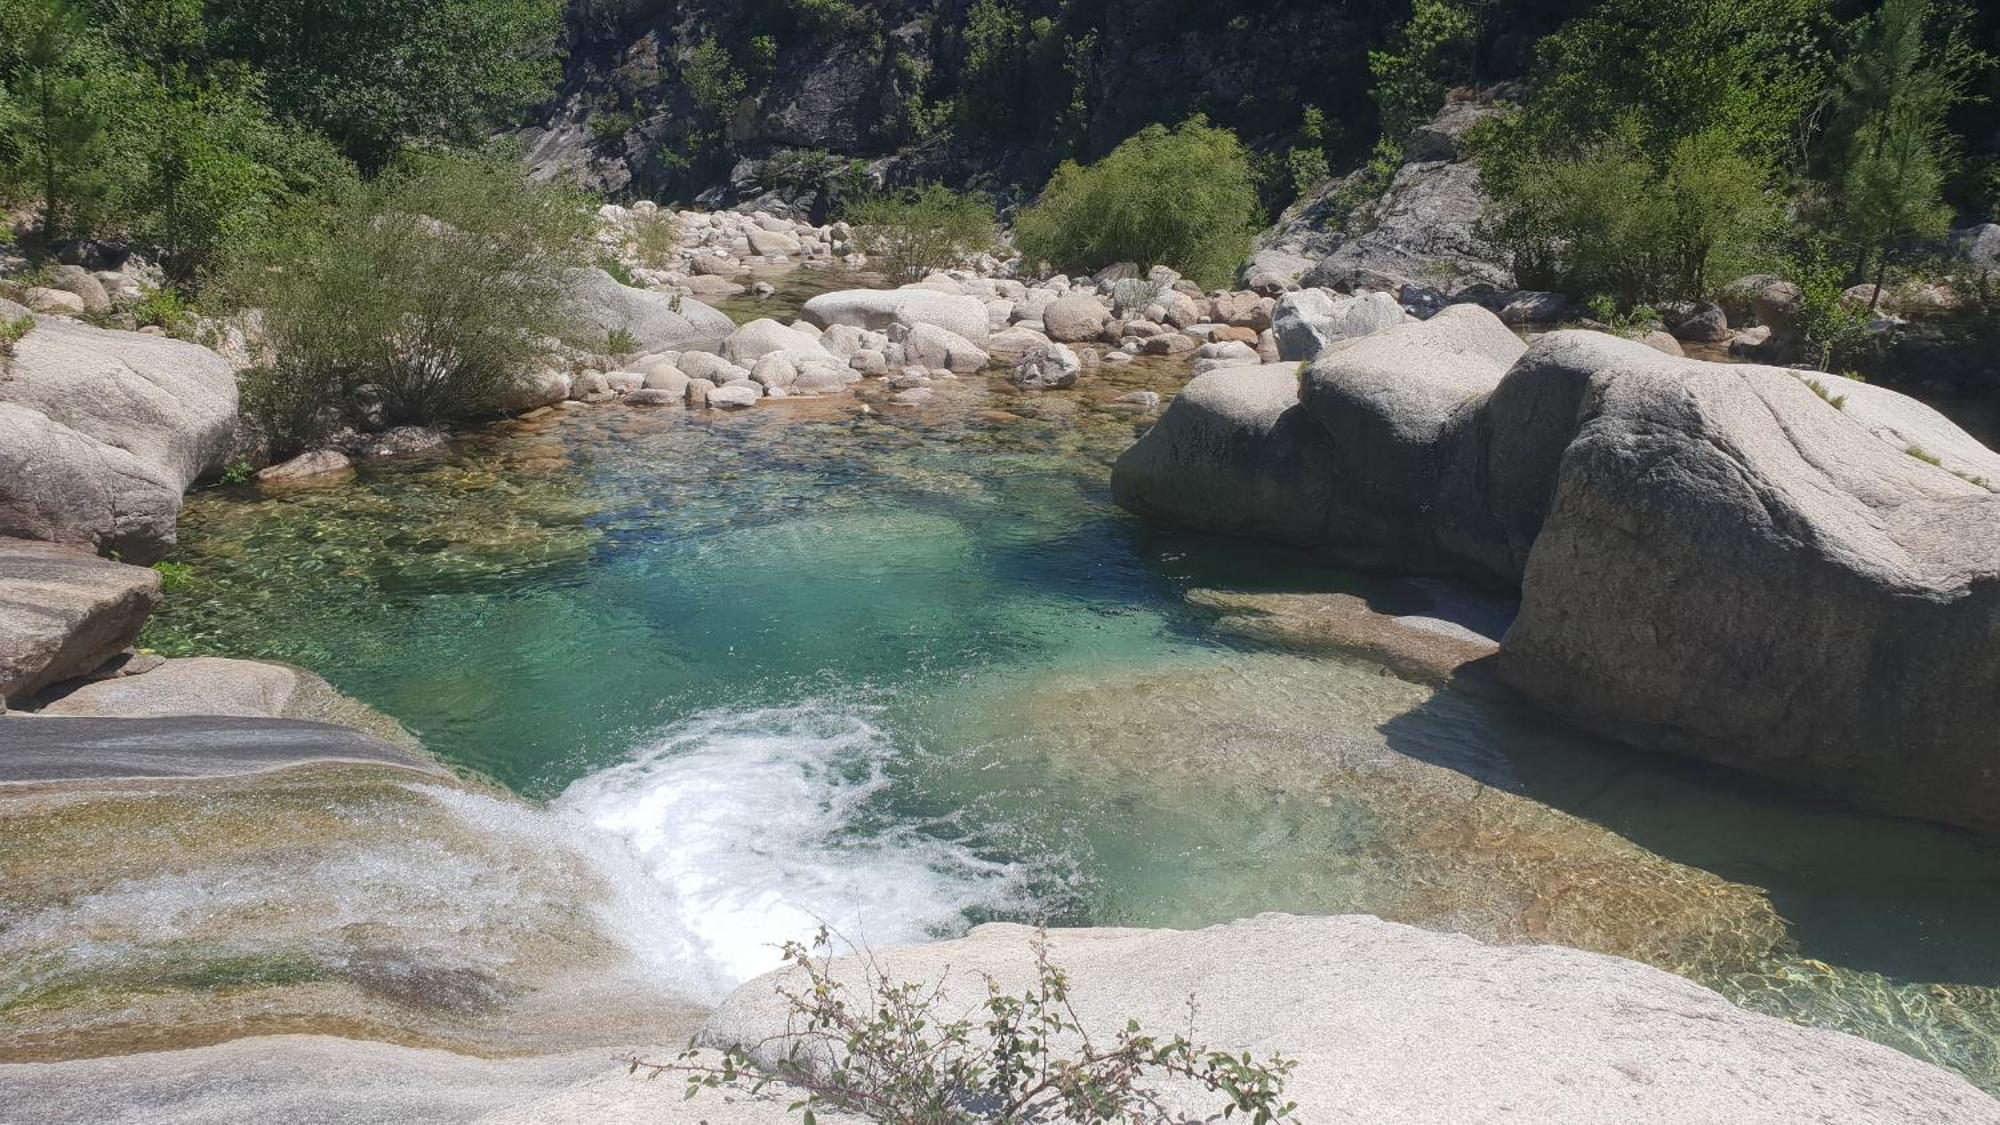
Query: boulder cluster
x,y
1778,570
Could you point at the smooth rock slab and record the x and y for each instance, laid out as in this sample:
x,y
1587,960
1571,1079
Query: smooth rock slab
x,y
1391,1024
878,309
64,612
43,749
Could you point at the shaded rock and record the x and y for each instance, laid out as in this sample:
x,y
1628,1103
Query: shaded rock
x,y
1234,453
650,396
1734,569
1394,1024
1402,411
1706,323
1663,342
217,686
878,309
63,612
1170,343
1047,366
1978,245
1425,224
666,377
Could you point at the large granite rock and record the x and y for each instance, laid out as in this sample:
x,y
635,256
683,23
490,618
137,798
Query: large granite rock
x,y
1736,569
1234,453
1394,1024
214,685
652,318
63,612
1403,412
878,309
760,338
105,431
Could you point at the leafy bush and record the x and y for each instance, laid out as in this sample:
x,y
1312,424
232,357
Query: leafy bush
x,y
1428,54
437,283
13,332
164,308
1182,198
1613,221
654,237
894,1056
913,232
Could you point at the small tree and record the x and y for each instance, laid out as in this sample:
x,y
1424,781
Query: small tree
x,y
1182,198
913,232
1910,66
892,1055
438,283
1427,54
68,85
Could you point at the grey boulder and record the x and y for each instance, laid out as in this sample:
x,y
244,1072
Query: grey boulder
x,y
879,309
1308,320
1235,453
655,321
1735,569
63,612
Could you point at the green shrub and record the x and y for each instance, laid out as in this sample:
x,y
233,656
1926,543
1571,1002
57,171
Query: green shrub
x,y
1182,198
911,233
165,308
13,332
895,1054
654,238
1613,221
438,283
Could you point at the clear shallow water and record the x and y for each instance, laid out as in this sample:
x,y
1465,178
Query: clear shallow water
x,y
907,672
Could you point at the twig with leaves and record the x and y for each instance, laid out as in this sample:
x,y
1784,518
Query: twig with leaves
x,y
892,1057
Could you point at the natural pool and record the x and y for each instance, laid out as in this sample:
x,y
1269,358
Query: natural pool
x,y
909,671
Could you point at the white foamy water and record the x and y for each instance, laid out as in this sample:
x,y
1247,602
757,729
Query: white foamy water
x,y
747,830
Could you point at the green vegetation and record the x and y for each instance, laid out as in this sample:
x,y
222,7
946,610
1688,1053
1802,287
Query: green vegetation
x,y
1428,54
1667,147
898,1054
654,237
436,283
1181,198
179,124
174,575
911,233
13,332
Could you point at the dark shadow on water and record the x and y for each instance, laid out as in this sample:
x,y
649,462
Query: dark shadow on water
x,y
1912,901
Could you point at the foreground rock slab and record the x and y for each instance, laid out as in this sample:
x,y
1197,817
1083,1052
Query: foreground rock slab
x,y
37,749
64,612
1395,1024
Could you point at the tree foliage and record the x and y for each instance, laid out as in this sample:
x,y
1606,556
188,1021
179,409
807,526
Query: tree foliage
x,y
437,283
1182,198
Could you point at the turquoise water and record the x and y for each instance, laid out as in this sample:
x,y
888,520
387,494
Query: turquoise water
x,y
906,671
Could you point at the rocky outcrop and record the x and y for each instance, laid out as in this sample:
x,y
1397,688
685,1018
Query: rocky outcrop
x,y
1307,321
655,321
1775,570
63,612
1235,453
1734,569
1421,228
106,430
218,686
1394,1024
